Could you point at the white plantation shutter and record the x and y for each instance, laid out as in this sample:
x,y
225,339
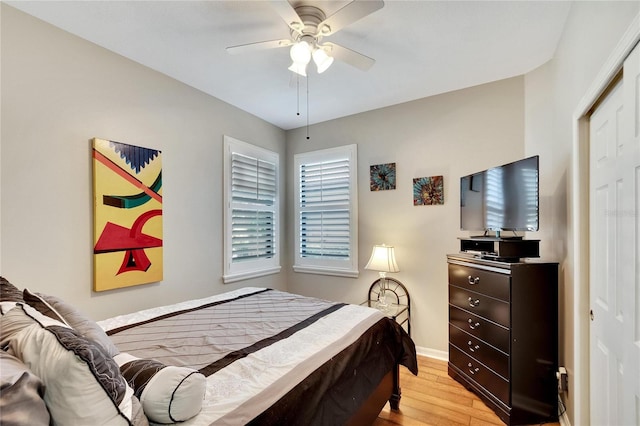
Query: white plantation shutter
x,y
251,219
253,195
326,202
324,209
325,234
253,180
252,235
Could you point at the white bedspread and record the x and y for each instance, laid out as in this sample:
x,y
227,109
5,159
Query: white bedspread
x,y
245,388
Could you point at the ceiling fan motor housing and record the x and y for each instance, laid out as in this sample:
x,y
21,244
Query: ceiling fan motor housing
x,y
311,17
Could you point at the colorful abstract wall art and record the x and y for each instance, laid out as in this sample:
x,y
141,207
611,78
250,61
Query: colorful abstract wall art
x,y
127,191
382,177
428,191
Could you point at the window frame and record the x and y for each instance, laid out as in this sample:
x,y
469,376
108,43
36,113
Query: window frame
x,y
335,267
237,271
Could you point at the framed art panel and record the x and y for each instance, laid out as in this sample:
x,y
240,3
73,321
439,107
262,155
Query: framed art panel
x,y
428,191
127,191
382,177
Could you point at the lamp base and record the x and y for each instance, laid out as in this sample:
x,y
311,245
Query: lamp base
x,y
382,304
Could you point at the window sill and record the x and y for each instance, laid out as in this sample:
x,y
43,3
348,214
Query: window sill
x,y
326,271
231,278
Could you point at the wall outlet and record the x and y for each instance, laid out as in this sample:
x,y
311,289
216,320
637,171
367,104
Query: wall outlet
x,y
563,380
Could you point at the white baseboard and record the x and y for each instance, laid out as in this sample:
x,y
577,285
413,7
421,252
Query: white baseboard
x,y
433,353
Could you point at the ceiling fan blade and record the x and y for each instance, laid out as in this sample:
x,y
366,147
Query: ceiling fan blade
x,y
351,57
288,14
350,13
261,45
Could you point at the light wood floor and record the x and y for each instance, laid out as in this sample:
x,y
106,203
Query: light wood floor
x,y
434,398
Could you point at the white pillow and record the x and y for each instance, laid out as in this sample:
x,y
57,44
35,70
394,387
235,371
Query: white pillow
x,y
83,383
168,394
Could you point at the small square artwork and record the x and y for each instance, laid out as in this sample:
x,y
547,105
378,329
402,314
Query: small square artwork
x,y
428,191
382,177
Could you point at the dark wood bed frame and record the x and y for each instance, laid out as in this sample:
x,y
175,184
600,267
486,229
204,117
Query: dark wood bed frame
x,y
387,390
389,387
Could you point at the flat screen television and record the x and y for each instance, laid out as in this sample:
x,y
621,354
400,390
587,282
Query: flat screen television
x,y
503,198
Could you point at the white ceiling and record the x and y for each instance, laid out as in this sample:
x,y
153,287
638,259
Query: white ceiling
x,y
422,48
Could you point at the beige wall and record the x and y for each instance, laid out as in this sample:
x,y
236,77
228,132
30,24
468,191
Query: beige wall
x,y
58,92
552,94
453,134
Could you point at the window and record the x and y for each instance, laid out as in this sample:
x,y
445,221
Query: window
x,y
326,212
251,218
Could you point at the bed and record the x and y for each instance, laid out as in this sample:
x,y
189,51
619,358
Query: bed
x,y
257,356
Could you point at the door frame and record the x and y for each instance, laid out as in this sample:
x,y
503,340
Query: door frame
x,y
580,217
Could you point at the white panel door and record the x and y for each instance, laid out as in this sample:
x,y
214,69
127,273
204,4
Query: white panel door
x,y
614,227
605,295
630,165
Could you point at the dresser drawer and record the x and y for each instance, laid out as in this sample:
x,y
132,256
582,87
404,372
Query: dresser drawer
x,y
494,334
488,355
492,284
480,374
492,309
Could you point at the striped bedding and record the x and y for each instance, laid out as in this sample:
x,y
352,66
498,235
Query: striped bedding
x,y
270,357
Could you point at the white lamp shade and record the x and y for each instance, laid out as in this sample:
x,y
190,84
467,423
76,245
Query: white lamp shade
x,y
322,60
300,53
383,259
300,69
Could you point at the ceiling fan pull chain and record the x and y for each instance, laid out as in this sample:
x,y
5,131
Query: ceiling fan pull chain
x,y
298,94
308,107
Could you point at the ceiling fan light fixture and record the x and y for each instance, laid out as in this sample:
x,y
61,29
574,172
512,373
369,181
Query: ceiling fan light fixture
x,y
300,69
300,52
322,60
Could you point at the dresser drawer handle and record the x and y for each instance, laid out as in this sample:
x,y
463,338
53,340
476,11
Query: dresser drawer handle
x,y
473,281
474,303
472,348
473,325
472,370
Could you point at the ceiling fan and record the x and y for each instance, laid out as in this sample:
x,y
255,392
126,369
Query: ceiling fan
x,y
308,26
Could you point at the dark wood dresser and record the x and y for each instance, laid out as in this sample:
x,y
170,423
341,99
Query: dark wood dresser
x,y
503,335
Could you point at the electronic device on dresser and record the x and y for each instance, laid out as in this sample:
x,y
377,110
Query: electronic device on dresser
x,y
502,198
503,311
503,335
499,200
503,249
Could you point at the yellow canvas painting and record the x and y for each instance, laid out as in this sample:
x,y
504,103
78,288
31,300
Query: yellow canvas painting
x,y
127,183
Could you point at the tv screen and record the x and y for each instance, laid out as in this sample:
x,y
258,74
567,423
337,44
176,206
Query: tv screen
x,y
503,198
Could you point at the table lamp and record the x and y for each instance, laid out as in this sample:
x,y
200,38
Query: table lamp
x,y
383,260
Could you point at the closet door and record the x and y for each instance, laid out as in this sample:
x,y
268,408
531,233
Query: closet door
x,y
614,248
630,165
